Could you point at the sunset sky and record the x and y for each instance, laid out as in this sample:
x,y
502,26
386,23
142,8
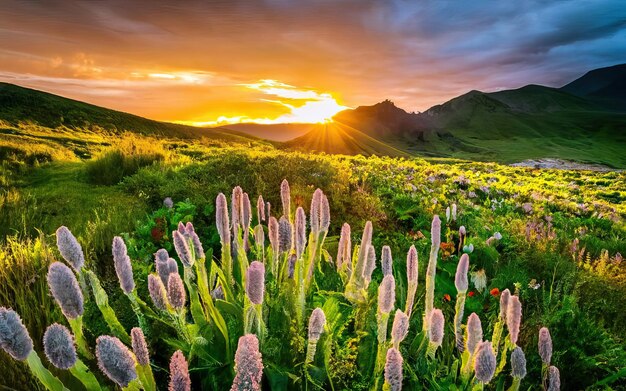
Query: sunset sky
x,y
203,62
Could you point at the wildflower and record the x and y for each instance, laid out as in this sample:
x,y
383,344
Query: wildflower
x,y
157,291
435,232
300,235
386,294
176,291
165,268
284,235
140,348
393,369
255,282
468,248
260,209
291,265
366,240
504,302
479,279
179,373
259,236
218,293
370,265
471,294
435,331
494,292
514,317
386,261
435,238
411,275
545,345
123,269
190,234
274,235
248,364
235,208
473,333
285,197
324,214
69,248
182,248
246,213
14,338
58,345
460,278
497,236
446,297
65,289
161,255
344,249
400,328
168,203
485,362
518,363
316,206
453,212
221,218
317,321
115,360
448,214
269,211
554,379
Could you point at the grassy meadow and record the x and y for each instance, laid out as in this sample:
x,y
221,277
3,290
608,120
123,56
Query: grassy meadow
x,y
553,238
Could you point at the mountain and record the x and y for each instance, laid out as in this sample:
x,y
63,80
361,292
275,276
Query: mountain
x,y
25,105
381,120
526,123
509,126
581,121
381,129
606,86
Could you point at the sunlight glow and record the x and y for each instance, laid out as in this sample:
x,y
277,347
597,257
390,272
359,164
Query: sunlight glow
x,y
316,107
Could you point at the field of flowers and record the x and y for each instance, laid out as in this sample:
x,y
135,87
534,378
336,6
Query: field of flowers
x,y
352,273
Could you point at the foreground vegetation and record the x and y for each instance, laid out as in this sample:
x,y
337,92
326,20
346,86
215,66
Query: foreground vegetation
x,y
561,233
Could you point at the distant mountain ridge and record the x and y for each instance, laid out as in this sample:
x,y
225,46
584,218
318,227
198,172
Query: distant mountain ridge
x,y
511,125
606,86
582,121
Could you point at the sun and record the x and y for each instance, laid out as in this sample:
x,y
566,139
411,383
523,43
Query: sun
x,y
304,105
321,110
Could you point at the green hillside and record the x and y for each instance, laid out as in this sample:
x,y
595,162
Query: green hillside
x,y
530,122
25,105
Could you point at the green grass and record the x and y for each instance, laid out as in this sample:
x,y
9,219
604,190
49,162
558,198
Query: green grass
x,y
398,194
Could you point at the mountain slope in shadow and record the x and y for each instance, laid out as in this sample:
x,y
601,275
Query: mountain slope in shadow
x,y
339,138
25,105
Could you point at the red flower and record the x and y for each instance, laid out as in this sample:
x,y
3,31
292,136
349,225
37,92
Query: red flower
x,y
157,234
471,294
446,297
495,292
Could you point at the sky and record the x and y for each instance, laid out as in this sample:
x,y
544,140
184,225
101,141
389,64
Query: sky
x,y
273,61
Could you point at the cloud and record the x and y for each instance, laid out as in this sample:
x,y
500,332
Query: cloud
x,y
204,57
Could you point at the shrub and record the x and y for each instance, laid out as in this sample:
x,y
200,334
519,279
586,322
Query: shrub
x,y
125,159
